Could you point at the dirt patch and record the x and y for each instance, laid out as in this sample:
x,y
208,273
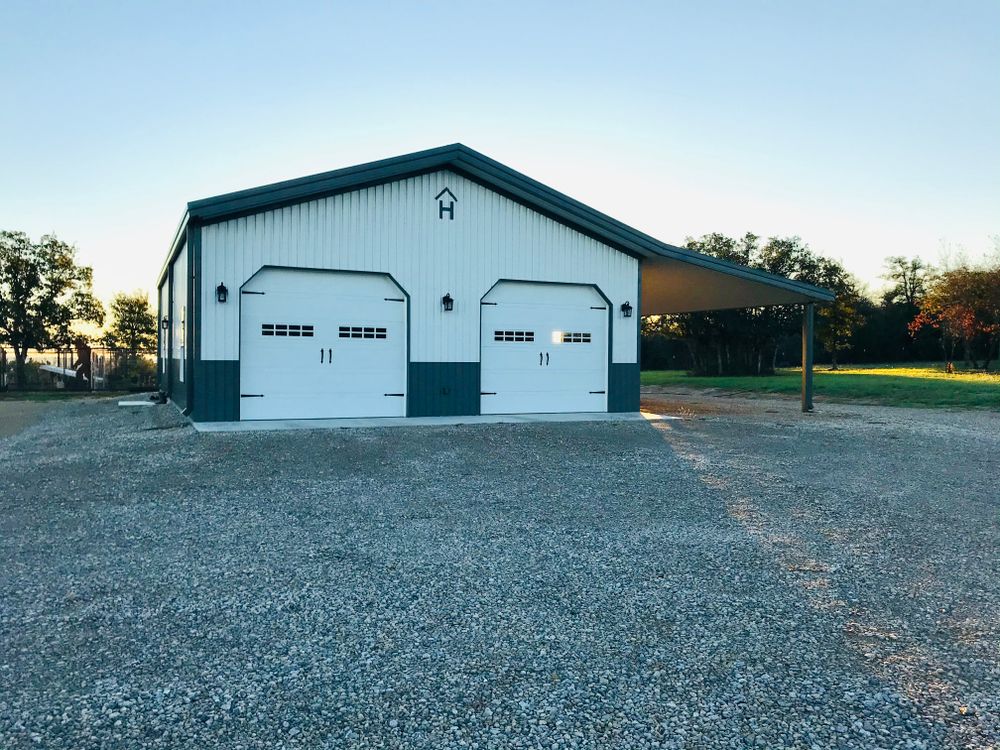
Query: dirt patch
x,y
691,404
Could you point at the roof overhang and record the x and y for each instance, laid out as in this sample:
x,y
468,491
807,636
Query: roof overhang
x,y
675,279
672,286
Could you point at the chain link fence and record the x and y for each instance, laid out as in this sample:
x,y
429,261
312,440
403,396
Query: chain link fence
x,y
80,368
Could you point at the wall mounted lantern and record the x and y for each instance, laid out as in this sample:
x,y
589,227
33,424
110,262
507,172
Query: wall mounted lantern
x,y
221,293
626,310
447,303
165,323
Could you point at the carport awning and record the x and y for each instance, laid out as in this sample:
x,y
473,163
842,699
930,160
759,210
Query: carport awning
x,y
677,280
678,285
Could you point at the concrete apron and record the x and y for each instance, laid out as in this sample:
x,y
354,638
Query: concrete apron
x,y
337,424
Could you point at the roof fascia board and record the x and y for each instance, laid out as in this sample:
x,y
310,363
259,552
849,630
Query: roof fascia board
x,y
180,237
249,208
645,244
545,208
317,186
491,174
441,151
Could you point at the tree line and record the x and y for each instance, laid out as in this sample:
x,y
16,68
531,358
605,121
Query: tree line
x,y
45,294
924,314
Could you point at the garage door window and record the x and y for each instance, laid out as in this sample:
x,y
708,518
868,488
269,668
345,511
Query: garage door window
x,y
576,338
513,335
286,329
362,332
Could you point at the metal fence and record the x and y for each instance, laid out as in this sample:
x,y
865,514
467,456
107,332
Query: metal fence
x,y
79,369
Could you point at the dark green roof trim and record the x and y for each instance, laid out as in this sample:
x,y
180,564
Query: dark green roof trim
x,y
491,174
180,237
328,183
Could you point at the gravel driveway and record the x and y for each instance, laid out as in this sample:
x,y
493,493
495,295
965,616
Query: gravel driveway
x,y
746,576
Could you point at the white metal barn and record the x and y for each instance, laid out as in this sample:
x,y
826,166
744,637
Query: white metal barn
x,y
436,283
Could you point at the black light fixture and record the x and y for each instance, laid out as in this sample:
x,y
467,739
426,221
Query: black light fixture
x,y
165,323
221,293
626,309
447,303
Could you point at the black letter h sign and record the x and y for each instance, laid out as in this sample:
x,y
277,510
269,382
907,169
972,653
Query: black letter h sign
x,y
442,208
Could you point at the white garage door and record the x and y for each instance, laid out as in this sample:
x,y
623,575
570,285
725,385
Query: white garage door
x,y
544,348
321,344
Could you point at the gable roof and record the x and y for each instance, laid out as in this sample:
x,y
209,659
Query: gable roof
x,y
495,176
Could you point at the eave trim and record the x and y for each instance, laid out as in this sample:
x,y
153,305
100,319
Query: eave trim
x,y
491,174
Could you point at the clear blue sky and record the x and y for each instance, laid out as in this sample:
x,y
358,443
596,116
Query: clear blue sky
x,y
867,128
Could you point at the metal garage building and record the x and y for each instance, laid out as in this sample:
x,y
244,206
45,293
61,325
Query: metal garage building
x,y
436,283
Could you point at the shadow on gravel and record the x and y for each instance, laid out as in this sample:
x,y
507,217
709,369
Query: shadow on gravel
x,y
929,671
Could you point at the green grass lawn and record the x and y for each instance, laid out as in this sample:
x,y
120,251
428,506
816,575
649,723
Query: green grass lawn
x,y
918,384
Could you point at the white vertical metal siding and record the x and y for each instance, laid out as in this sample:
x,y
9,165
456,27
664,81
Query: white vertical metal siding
x,y
394,228
177,311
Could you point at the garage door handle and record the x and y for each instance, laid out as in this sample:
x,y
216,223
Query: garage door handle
x,y
540,355
546,359
321,355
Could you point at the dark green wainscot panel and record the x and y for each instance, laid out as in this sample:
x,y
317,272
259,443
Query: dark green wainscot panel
x,y
623,387
216,390
442,389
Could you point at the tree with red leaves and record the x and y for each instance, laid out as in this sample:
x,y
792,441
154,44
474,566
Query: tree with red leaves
x,y
964,305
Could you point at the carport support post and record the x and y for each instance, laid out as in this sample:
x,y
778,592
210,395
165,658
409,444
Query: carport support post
x,y
808,315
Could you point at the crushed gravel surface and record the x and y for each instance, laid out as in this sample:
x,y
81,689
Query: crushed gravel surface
x,y
743,577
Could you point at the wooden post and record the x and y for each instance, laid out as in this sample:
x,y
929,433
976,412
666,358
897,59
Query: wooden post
x,y
808,314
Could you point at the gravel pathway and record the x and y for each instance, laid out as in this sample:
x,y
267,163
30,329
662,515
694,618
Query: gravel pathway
x,y
743,577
